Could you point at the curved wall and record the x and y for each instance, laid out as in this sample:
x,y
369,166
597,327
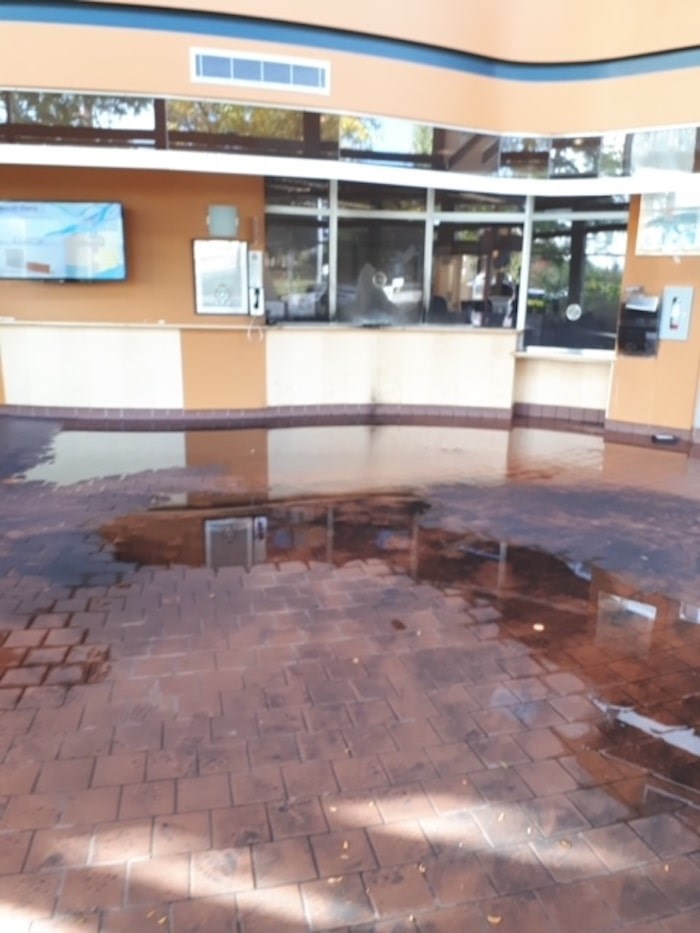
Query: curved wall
x,y
94,47
512,30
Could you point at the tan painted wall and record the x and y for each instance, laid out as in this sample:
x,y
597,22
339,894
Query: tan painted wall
x,y
164,212
521,30
223,369
93,60
658,391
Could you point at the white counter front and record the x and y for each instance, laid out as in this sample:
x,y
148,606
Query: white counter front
x,y
393,366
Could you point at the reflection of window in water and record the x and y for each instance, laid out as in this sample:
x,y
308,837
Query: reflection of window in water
x,y
625,624
689,613
235,542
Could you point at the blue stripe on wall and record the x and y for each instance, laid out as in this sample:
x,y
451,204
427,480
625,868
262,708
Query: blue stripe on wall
x,y
216,26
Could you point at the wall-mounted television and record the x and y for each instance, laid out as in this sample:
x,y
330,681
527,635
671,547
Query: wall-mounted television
x,y
62,241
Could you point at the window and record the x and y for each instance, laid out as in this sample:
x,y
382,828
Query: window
x,y
297,192
358,196
221,67
476,272
468,202
380,271
575,279
296,276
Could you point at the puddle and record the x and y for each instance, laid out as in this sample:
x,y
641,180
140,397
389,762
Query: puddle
x,y
564,612
80,456
318,459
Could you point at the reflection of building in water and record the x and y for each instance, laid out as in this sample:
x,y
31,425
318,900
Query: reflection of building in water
x,y
628,621
328,529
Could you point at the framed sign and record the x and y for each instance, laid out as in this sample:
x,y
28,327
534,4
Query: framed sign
x,y
221,276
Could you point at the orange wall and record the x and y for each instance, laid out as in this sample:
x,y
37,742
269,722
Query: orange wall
x,y
121,61
518,30
223,369
658,391
164,211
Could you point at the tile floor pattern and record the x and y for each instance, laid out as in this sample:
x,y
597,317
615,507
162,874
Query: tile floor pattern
x,y
190,750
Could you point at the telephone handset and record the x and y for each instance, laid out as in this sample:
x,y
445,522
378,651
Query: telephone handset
x,y
256,293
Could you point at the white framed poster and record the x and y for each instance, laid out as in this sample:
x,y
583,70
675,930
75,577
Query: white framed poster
x,y
669,225
221,276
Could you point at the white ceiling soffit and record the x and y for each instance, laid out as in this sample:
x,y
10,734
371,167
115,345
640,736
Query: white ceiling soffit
x,y
221,163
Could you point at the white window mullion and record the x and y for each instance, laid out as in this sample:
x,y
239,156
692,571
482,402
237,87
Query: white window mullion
x,y
521,313
428,250
333,251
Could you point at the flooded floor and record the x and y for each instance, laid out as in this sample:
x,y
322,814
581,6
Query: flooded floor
x,y
369,679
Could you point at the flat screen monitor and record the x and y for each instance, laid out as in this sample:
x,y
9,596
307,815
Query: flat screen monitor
x,y
62,241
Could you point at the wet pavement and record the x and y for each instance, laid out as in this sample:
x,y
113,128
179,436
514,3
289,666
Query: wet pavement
x,y
347,679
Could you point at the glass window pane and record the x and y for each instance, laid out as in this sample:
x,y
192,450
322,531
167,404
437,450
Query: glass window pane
x,y
673,150
613,155
380,271
297,192
575,280
247,70
524,157
296,272
380,197
590,203
477,203
476,271
214,66
307,75
464,151
81,110
277,72
256,123
575,158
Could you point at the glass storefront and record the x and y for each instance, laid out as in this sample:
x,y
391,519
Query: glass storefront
x,y
381,256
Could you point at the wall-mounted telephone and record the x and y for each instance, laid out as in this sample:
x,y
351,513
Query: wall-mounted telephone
x,y
256,293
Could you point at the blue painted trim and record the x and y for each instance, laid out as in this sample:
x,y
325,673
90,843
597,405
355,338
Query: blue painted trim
x,y
217,26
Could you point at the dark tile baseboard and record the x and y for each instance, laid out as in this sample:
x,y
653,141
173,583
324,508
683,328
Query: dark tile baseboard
x,y
277,416
588,417
626,432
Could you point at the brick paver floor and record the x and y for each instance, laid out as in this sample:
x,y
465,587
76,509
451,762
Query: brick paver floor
x,y
437,727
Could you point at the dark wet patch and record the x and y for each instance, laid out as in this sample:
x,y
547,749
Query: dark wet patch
x,y
24,443
51,657
398,625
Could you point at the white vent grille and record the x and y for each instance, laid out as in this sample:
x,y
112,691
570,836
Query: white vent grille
x,y
208,66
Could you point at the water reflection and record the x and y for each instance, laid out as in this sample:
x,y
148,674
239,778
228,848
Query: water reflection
x,y
683,737
621,643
